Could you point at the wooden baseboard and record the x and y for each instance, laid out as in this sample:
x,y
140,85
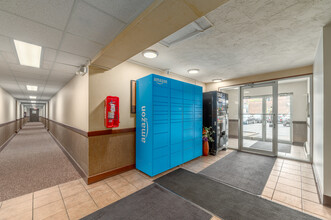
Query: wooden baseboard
x,y
72,160
110,173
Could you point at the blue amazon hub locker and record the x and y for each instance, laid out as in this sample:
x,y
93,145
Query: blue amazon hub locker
x,y
168,123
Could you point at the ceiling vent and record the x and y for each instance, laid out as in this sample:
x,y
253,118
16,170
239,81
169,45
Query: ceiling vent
x,y
196,27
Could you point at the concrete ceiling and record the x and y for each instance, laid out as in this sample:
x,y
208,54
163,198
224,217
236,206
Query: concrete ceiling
x,y
247,37
70,33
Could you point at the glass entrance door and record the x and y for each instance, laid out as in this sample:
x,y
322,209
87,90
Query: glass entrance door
x,y
258,124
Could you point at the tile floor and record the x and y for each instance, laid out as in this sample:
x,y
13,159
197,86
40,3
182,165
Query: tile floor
x,y
290,183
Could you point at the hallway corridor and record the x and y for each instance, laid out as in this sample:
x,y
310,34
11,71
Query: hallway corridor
x,y
33,161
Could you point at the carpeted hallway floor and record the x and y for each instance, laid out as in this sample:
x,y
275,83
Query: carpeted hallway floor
x,y
32,161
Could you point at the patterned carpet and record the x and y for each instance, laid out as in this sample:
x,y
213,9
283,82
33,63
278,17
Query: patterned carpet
x,y
32,161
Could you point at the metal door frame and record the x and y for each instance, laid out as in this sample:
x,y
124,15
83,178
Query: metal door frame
x,y
274,85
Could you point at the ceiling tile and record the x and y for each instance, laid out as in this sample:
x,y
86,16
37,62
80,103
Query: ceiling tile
x,y
52,13
72,59
8,77
27,70
10,57
80,46
49,54
90,23
49,90
125,11
24,84
35,80
59,77
63,68
11,87
47,65
3,64
28,31
6,44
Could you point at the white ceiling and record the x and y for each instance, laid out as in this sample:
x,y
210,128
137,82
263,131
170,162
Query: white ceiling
x,y
70,32
248,37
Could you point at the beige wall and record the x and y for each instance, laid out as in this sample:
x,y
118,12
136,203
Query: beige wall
x,y
327,110
318,158
7,107
70,105
7,114
116,82
322,109
261,77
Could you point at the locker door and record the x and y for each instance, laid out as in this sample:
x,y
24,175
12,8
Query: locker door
x,y
176,146
161,124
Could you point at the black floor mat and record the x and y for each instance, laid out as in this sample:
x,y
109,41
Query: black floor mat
x,y
226,202
249,172
152,202
267,146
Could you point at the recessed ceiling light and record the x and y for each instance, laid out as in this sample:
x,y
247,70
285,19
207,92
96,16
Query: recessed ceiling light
x,y
217,80
33,97
193,71
31,88
33,101
150,54
28,54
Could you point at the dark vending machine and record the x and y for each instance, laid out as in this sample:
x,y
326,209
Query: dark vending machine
x,y
215,115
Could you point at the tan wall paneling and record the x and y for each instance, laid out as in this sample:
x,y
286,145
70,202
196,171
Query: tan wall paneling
x,y
110,152
74,143
7,130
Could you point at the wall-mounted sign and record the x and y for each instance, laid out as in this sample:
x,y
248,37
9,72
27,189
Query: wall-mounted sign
x,y
133,96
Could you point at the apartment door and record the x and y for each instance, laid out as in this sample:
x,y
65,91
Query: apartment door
x,y
34,115
258,111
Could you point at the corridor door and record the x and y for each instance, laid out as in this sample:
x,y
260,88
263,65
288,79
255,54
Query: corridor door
x,y
34,115
258,111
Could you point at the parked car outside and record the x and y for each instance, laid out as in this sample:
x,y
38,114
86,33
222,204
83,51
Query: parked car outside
x,y
248,119
258,118
287,121
280,119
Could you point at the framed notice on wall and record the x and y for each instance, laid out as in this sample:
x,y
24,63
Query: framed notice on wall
x,y
133,96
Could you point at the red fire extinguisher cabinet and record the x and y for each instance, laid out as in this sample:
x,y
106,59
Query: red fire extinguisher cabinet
x,y
112,113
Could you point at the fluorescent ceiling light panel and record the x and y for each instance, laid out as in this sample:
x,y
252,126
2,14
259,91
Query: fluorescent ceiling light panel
x,y
33,97
31,88
33,101
196,27
28,54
